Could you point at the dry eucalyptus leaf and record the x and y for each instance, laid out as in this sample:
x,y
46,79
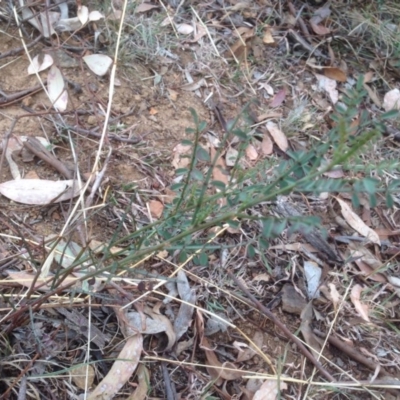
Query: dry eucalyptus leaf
x,y
55,88
95,16
98,63
143,387
37,66
251,153
144,7
83,14
361,308
267,147
39,191
278,136
185,314
335,73
357,223
120,371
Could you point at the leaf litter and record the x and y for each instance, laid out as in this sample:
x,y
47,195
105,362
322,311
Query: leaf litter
x,y
175,329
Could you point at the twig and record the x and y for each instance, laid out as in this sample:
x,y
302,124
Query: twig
x,y
110,136
8,99
300,20
35,147
14,52
283,327
170,392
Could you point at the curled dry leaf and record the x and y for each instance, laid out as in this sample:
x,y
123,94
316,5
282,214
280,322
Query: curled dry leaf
x,y
98,63
278,136
37,66
120,371
156,208
55,87
361,308
357,223
269,390
40,191
391,101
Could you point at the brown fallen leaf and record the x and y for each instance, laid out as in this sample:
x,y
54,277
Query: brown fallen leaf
x,y
267,147
156,208
145,7
357,223
278,136
268,38
373,95
121,370
361,308
279,98
226,371
320,29
335,73
251,153
143,378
